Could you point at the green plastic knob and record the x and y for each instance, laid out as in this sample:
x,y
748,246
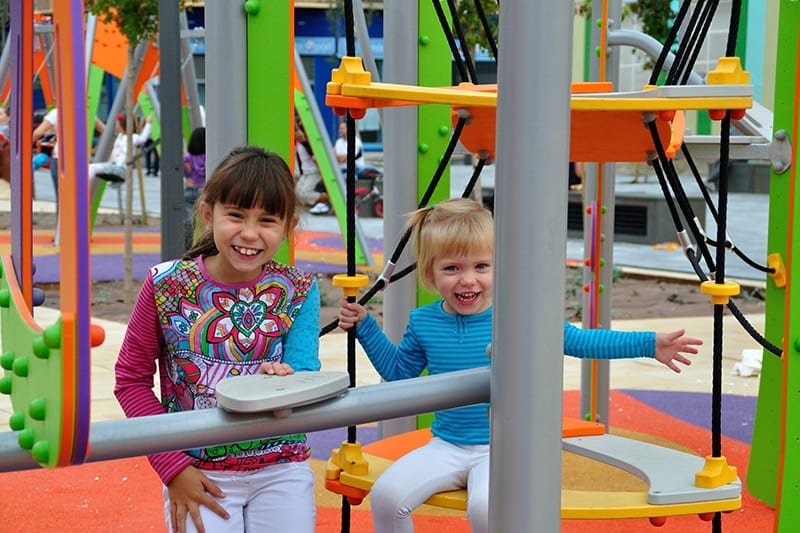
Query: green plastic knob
x,y
424,40
252,7
6,360
5,298
5,385
41,452
602,262
444,130
37,409
597,51
17,421
26,438
40,348
423,148
52,336
21,366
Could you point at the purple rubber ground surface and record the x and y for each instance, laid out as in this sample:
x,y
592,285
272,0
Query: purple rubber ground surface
x,y
322,442
738,412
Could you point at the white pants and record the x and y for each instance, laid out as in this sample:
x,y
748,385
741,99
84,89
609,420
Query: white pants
x,y
438,466
306,188
276,498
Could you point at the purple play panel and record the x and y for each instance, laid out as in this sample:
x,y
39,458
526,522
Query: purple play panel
x,y
738,412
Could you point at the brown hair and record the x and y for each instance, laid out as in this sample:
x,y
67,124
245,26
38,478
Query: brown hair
x,y
248,177
456,226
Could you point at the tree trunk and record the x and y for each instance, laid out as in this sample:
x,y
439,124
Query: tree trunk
x,y
128,227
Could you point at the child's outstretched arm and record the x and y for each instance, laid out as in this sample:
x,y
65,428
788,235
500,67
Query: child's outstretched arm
x,y
187,492
670,348
350,313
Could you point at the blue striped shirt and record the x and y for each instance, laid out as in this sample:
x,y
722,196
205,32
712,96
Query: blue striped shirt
x,y
444,342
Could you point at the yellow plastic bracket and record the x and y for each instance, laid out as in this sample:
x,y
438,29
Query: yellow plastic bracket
x,y
350,71
775,262
350,284
729,71
715,473
720,292
348,458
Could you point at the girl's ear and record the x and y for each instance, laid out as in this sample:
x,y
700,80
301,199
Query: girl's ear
x,y
205,212
292,224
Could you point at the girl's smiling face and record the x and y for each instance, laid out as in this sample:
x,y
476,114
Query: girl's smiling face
x,y
247,238
464,282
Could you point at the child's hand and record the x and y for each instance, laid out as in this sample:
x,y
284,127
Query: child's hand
x,y
350,313
187,492
275,369
670,346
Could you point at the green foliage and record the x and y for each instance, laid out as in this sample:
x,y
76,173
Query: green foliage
x,y
656,17
474,31
137,20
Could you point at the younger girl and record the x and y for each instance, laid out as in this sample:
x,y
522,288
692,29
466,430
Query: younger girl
x,y
454,245
228,309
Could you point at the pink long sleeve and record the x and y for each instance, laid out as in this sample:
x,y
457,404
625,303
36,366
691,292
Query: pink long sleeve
x,y
135,370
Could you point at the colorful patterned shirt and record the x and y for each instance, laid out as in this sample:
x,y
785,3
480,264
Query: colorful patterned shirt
x,y
201,331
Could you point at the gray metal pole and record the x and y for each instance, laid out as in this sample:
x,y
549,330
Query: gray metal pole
x,y
597,383
399,158
172,210
210,427
189,76
226,79
530,252
5,63
648,45
362,34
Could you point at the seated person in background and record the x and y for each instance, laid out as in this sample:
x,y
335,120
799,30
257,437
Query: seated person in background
x,y
308,176
576,174
115,168
340,148
194,179
5,143
5,120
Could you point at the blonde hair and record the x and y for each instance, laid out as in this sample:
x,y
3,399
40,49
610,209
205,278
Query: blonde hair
x,y
456,226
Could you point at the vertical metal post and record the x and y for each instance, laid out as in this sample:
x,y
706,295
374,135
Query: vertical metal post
x,y
530,252
172,212
595,375
226,79
400,153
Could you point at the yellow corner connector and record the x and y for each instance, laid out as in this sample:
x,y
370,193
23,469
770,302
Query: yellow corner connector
x,y
350,71
720,292
778,274
348,458
715,473
729,71
332,471
350,284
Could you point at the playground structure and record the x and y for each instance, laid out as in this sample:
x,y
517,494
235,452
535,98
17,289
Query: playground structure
x,y
512,111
